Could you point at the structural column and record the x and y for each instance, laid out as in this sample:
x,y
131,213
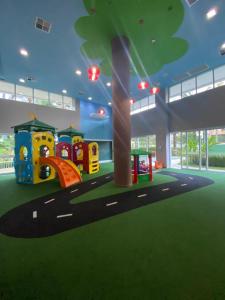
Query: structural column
x,y
121,111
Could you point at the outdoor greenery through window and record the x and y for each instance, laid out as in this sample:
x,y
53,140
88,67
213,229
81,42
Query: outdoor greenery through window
x,y
6,151
147,143
10,91
201,149
203,82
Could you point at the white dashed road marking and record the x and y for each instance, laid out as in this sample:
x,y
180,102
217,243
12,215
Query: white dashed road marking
x,y
94,182
64,216
107,177
34,214
164,190
183,184
143,195
191,178
74,191
53,199
112,203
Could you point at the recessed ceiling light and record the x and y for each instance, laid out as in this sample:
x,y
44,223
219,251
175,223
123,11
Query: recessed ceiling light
x,y
222,49
64,91
24,52
223,46
78,72
109,103
22,80
89,98
108,84
211,13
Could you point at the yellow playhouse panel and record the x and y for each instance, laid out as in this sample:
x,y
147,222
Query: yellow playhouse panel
x,y
40,140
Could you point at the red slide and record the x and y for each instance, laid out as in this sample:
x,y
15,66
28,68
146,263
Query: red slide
x,y
67,171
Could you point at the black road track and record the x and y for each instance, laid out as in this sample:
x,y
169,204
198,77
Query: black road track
x,y
54,213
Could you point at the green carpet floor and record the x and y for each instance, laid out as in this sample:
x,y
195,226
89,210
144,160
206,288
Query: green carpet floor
x,y
172,249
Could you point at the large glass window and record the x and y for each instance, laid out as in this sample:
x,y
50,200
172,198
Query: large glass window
x,y
69,103
41,97
205,82
147,143
219,76
216,149
24,94
56,100
175,150
7,90
193,149
143,104
189,87
184,151
6,152
175,92
200,149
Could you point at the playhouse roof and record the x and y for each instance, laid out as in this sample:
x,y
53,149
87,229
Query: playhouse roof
x,y
70,132
34,125
140,152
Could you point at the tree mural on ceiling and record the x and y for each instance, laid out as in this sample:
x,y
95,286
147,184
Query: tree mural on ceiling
x,y
150,26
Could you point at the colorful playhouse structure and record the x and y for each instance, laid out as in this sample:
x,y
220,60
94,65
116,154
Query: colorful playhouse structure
x,y
35,159
71,146
141,166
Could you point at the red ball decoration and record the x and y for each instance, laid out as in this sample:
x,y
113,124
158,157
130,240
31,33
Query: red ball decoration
x,y
101,112
93,73
143,85
154,90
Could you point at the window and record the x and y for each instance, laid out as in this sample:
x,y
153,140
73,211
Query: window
x,y
6,152
41,97
24,94
205,82
56,100
69,103
200,149
175,150
189,87
219,76
135,108
147,143
143,104
7,90
175,92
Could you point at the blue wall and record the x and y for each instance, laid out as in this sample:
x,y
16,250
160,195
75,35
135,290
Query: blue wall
x,y
92,128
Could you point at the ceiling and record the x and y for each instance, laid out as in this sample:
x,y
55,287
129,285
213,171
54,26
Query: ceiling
x,y
54,57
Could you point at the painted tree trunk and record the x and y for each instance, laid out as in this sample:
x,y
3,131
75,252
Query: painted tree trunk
x,y
121,111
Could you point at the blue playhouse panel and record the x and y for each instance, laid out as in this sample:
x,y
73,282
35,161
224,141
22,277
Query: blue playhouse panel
x,y
23,168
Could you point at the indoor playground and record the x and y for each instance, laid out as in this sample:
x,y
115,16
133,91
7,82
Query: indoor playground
x,y
114,188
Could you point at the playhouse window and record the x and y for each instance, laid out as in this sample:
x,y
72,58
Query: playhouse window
x,y
23,153
44,151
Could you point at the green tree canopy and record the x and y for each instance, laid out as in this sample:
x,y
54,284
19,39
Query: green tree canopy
x,y
142,21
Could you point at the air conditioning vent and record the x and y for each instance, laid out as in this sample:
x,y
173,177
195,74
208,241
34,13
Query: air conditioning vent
x,y
43,25
181,77
198,69
31,79
191,2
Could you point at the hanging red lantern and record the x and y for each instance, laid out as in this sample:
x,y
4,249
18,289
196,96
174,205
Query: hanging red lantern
x,y
93,73
143,85
101,111
132,101
154,90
